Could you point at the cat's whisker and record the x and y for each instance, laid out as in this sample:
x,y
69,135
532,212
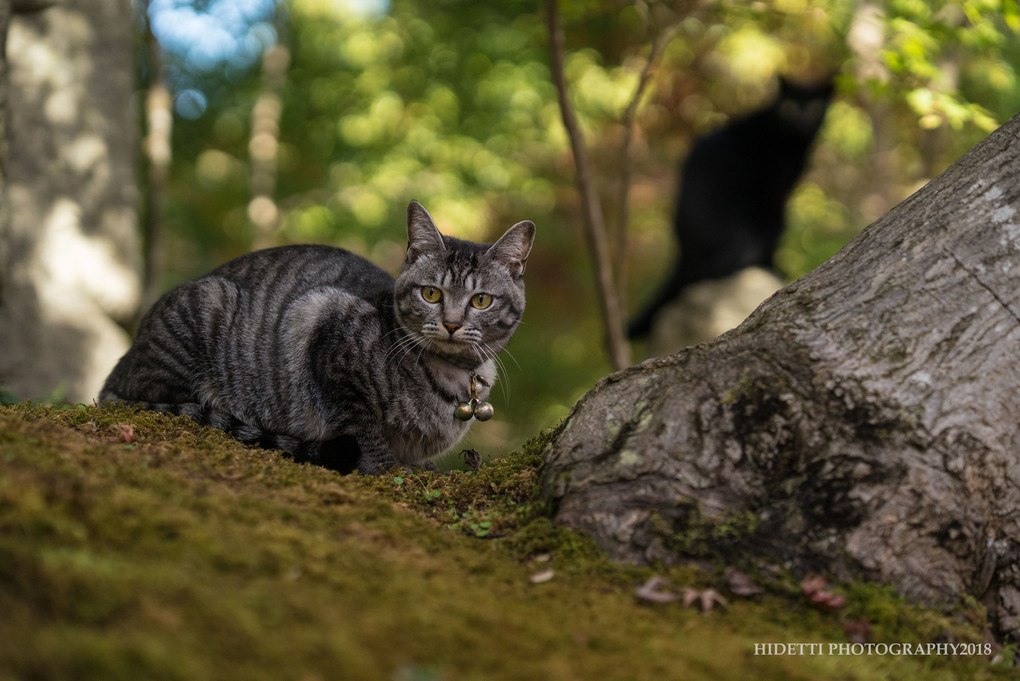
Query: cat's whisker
x,y
482,354
399,350
390,333
487,353
511,356
399,344
505,383
420,345
424,347
391,352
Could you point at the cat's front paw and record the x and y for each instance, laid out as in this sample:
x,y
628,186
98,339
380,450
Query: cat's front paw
x,y
380,464
393,467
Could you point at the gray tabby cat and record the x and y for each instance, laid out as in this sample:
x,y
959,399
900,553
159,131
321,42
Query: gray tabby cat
x,y
317,351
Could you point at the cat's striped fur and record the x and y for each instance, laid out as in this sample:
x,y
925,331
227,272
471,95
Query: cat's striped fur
x,y
319,352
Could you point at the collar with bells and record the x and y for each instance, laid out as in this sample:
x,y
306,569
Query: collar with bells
x,y
474,407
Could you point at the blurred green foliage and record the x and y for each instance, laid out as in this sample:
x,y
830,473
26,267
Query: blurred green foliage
x,y
451,103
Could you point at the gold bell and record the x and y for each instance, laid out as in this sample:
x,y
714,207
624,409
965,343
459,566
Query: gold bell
x,y
464,411
476,408
483,411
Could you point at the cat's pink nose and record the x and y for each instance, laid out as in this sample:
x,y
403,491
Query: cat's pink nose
x,y
451,327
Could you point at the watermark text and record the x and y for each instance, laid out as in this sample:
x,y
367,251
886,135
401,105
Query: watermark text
x,y
872,649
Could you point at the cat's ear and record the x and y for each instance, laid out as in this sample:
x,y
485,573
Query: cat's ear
x,y
513,247
422,234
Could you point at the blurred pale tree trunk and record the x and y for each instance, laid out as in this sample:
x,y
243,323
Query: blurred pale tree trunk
x,y
70,269
157,147
262,148
862,422
5,18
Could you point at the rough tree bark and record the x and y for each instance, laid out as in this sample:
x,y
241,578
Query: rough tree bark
x,y
862,422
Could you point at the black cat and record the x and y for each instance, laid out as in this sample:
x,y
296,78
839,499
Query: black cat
x,y
733,192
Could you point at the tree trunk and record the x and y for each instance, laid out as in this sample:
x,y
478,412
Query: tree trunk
x,y
862,422
158,151
263,149
70,266
5,18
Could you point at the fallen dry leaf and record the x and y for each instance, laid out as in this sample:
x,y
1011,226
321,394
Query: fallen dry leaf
x,y
858,630
742,585
812,584
543,576
814,588
834,601
652,591
707,599
125,432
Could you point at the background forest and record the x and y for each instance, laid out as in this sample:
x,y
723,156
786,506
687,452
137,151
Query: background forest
x,y
318,120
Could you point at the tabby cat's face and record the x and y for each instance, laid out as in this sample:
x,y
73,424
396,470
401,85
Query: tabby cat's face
x,y
459,299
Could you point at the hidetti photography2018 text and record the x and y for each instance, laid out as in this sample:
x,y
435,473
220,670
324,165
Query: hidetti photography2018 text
x,y
855,649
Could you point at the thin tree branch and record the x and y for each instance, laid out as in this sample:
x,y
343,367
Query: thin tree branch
x,y
623,202
591,210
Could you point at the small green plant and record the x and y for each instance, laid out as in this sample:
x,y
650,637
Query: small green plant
x,y
474,524
431,495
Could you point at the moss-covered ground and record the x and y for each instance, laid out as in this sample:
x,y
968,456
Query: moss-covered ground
x,y
168,551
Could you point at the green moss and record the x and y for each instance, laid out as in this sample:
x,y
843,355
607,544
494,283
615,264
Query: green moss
x,y
177,553
747,390
490,502
753,389
697,536
898,355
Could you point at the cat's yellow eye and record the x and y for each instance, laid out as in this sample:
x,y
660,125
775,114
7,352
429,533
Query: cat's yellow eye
x,y
431,294
480,301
